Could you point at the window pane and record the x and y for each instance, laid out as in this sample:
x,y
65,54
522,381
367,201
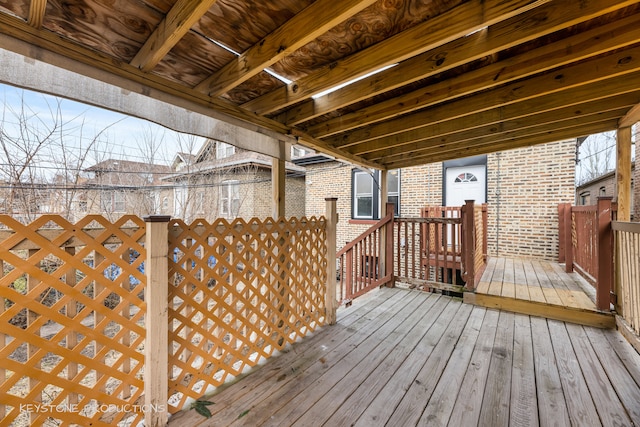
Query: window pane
x,y
364,207
364,183
392,182
396,204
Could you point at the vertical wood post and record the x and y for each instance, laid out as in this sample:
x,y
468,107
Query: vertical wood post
x,y
156,349
278,177
384,197
469,246
330,299
605,255
561,249
387,235
623,173
568,242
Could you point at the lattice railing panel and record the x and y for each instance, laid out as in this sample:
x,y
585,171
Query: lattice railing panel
x,y
238,292
479,255
71,321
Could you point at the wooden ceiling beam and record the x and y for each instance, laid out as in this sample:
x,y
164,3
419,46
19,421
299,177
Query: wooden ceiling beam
x,y
593,42
543,138
182,16
532,24
499,132
631,117
552,106
619,63
48,47
458,22
37,10
303,28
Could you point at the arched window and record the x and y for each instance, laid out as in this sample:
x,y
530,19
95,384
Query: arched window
x,y
466,177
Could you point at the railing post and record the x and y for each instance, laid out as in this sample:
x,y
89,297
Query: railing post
x,y
605,255
469,243
568,242
331,302
387,244
561,231
156,349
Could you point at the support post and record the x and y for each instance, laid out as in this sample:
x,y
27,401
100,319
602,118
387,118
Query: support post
x,y
330,299
605,255
568,242
387,235
156,380
278,177
623,173
384,196
469,247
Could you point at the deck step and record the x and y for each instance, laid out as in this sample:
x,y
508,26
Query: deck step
x,y
542,309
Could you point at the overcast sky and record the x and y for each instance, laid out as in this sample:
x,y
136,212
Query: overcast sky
x,y
122,136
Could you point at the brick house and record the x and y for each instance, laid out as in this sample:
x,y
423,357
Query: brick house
x,y
225,181
588,192
521,187
119,187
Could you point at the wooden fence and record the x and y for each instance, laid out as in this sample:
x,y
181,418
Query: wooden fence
x,y
431,251
90,309
627,272
71,321
586,245
239,292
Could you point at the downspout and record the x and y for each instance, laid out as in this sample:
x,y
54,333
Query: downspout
x,y
498,207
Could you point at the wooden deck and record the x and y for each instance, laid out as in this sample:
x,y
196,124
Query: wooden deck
x,y
539,288
404,358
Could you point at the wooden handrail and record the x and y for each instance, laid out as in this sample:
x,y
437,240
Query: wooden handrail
x,y
378,225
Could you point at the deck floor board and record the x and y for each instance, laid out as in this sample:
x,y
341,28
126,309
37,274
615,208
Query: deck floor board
x,y
406,357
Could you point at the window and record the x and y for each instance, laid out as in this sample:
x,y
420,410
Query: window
x,y
363,195
113,201
230,199
466,177
224,150
200,202
603,191
165,204
393,190
584,198
366,193
179,202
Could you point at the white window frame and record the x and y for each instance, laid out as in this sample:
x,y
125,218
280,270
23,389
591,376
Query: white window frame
x,y
224,150
230,198
357,176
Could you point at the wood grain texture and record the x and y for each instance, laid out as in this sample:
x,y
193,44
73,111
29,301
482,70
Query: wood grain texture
x,y
404,367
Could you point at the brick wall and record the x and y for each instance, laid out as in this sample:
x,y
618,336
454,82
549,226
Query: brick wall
x,y
524,187
262,196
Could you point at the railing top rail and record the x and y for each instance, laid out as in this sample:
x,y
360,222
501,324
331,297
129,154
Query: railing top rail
x,y
431,220
383,221
255,224
629,227
590,208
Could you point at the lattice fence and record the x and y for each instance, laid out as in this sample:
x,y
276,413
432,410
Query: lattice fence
x,y
71,321
238,292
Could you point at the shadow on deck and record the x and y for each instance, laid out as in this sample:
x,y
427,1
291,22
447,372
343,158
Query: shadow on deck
x,y
400,358
538,288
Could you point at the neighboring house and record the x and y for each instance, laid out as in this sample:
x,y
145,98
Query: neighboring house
x,y
224,181
119,187
605,185
24,201
522,188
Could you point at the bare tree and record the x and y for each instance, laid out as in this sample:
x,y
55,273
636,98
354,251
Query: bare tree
x,y
597,155
24,136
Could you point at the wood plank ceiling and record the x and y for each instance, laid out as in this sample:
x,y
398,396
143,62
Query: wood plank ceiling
x,y
459,77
